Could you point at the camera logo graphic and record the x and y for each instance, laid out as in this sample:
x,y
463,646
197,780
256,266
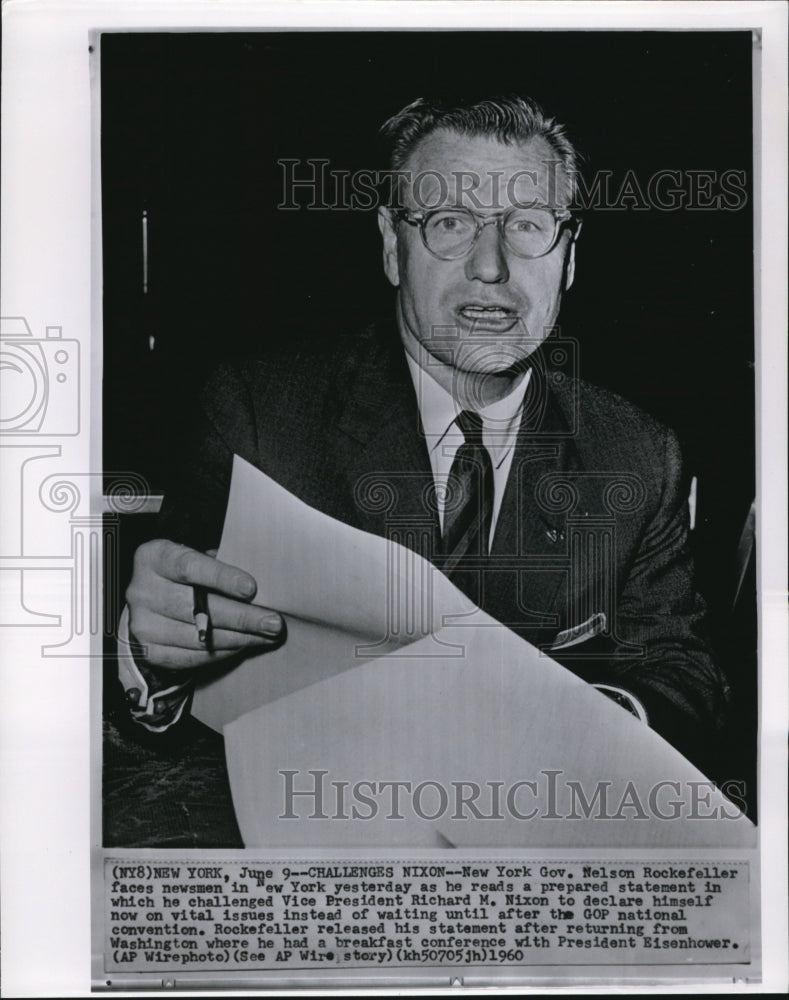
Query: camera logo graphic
x,y
39,381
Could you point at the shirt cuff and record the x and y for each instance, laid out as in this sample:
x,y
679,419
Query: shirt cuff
x,y
156,710
625,700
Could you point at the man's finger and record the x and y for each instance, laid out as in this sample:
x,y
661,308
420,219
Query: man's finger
x,y
175,658
237,616
223,612
159,631
176,602
190,567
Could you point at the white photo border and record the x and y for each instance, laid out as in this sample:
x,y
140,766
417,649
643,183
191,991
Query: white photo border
x,y
49,267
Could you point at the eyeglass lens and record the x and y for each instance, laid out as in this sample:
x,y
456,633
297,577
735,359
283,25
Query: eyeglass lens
x,y
528,232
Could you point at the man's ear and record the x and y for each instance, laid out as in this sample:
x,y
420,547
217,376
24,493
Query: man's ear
x,y
389,236
569,269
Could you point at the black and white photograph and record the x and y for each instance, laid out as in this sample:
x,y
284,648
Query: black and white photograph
x,y
312,260
419,555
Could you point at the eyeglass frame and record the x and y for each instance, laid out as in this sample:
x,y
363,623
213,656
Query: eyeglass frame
x,y
561,217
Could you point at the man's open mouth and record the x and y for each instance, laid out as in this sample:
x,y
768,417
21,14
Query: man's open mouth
x,y
474,311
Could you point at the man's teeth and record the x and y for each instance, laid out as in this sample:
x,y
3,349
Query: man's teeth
x,y
490,311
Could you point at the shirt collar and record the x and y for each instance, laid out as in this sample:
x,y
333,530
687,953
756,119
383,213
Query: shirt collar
x,y
438,410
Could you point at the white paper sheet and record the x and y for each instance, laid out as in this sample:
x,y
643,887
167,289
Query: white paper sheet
x,y
468,703
347,596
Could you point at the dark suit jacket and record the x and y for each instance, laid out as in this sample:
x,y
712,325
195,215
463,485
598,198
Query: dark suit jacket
x,y
594,517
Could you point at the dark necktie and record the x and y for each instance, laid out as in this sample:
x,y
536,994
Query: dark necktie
x,y
468,510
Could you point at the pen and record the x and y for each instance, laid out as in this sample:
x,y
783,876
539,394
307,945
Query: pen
x,y
200,614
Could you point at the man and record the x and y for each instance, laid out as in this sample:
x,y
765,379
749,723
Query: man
x,y
559,508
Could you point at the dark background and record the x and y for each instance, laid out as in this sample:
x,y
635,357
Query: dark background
x,y
193,126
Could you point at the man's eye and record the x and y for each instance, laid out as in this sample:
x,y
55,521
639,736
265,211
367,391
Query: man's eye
x,y
535,223
450,224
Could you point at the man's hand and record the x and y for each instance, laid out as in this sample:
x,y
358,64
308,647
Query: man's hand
x,y
160,600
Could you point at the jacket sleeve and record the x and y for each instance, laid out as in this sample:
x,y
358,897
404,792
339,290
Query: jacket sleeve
x,y
684,693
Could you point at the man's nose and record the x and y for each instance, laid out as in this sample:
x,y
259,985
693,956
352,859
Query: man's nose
x,y
487,260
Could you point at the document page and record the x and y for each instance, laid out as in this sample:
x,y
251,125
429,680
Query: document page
x,y
399,714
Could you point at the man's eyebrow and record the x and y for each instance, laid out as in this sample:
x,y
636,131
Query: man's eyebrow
x,y
490,210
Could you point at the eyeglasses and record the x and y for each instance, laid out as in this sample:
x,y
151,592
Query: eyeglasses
x,y
449,233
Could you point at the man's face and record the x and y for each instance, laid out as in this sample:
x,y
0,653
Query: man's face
x,y
488,310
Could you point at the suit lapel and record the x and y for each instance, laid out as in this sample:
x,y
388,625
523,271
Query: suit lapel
x,y
380,444
529,553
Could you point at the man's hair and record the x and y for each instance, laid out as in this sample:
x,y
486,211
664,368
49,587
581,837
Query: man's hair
x,y
509,119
